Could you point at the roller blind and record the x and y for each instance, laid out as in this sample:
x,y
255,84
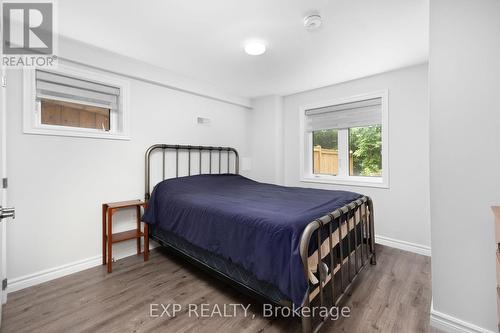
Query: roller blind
x,y
354,114
65,88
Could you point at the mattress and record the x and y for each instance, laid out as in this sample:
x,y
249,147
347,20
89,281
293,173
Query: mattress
x,y
254,225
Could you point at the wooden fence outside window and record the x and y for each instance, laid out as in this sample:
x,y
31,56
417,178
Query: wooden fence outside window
x,y
326,161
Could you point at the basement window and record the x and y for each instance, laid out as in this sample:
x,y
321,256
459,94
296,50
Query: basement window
x,y
58,113
73,102
345,141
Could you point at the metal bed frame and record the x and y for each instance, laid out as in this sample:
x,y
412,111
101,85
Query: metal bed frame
x,y
354,233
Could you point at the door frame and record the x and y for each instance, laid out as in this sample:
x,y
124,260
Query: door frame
x,y
3,168
3,175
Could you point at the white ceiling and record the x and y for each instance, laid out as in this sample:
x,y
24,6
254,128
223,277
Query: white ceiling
x,y
203,40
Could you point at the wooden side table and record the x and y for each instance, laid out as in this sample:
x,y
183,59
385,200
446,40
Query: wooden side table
x,y
109,238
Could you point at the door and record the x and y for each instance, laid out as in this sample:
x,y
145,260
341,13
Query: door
x,y
5,212
3,168
2,189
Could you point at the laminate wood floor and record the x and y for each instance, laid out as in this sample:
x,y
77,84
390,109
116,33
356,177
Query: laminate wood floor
x,y
393,296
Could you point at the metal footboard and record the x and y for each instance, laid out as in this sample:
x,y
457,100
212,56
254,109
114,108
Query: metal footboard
x,y
348,228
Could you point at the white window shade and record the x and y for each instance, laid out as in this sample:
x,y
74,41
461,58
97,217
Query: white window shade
x,y
50,85
355,114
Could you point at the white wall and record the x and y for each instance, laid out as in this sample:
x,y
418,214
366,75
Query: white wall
x,y
402,211
465,157
265,139
59,183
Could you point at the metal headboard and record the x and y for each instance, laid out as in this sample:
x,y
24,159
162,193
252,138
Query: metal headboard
x,y
189,149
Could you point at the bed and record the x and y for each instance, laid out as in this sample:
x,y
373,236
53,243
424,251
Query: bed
x,y
288,246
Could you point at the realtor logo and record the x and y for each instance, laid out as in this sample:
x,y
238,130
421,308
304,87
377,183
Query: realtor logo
x,y
27,28
28,34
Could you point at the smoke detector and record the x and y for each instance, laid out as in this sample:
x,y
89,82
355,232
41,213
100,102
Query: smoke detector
x,y
312,22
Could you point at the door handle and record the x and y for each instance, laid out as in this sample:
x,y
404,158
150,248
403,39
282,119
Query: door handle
x,y
6,212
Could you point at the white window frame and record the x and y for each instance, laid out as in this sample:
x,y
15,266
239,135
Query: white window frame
x,y
119,120
343,178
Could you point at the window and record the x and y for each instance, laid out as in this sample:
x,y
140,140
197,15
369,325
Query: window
x,y
365,151
74,115
325,152
345,141
73,102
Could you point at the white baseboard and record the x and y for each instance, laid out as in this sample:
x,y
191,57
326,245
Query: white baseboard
x,y
52,273
33,279
447,323
402,245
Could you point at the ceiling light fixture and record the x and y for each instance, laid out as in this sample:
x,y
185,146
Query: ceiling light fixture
x,y
312,22
255,48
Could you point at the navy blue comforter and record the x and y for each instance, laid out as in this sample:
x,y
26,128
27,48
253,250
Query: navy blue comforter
x,y
255,225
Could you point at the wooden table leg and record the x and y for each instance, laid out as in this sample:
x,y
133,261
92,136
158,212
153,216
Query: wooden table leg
x,y
104,208
146,242
138,212
110,239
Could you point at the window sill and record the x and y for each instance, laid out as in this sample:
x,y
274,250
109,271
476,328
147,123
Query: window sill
x,y
369,182
76,133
